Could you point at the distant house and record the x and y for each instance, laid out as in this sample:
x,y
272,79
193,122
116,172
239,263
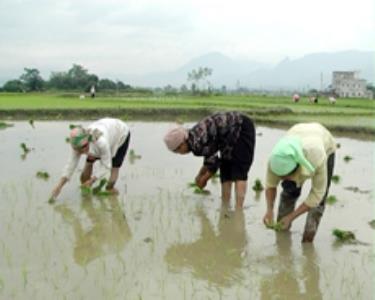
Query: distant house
x,y
347,84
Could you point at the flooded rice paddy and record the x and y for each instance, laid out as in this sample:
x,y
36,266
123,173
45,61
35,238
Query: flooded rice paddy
x,y
159,240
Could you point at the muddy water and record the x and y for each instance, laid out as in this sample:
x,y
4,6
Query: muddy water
x,y
159,240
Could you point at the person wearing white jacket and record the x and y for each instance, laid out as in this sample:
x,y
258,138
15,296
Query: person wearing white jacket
x,y
106,140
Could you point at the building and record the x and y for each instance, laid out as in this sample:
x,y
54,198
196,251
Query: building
x,y
347,84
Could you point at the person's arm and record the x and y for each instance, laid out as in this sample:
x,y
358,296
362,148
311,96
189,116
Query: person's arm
x,y
288,219
272,182
317,191
203,176
57,189
270,202
67,173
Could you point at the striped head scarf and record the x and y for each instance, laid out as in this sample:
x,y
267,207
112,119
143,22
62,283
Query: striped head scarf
x,y
79,137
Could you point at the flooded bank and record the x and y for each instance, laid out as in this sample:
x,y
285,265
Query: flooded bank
x,y
159,240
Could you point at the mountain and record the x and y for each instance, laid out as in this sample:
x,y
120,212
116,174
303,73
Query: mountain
x,y
226,71
311,71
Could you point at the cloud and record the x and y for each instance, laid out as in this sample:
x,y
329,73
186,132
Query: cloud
x,y
144,36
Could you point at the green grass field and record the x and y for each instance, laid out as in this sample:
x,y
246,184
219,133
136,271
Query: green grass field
x,y
352,115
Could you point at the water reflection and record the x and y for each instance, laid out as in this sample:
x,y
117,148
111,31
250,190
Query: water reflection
x,y
214,257
295,277
104,231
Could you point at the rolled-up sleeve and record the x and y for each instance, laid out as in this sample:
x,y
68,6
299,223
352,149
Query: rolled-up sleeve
x,y
212,163
71,165
272,180
318,186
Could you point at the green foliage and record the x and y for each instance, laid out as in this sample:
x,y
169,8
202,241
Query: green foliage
x,y
13,86
197,189
85,190
355,115
72,126
42,175
200,191
133,155
4,125
97,191
199,75
331,199
277,226
343,235
258,186
25,148
100,186
32,80
347,158
336,178
192,185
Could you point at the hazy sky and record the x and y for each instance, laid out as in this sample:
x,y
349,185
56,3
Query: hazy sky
x,y
111,37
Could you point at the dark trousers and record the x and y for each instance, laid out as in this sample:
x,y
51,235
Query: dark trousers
x,y
289,196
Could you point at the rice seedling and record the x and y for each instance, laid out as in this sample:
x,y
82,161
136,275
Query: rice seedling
x,y
98,190
192,185
42,175
277,226
67,140
343,235
85,190
258,186
133,156
336,178
372,223
331,199
25,148
72,126
4,125
24,276
200,191
197,189
347,158
31,122
51,200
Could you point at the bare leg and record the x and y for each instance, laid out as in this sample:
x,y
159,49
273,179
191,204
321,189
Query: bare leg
x,y
87,171
113,178
240,188
226,190
315,214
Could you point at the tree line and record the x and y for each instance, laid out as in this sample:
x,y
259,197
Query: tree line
x,y
77,78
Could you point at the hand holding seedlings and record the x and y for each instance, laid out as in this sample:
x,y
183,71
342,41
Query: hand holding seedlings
x,y
275,226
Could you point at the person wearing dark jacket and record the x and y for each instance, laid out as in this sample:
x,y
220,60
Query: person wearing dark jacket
x,y
226,141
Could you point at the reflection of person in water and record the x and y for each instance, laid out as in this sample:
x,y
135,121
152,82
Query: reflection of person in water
x,y
108,233
293,279
217,258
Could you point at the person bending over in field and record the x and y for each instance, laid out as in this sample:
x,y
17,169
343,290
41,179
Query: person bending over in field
x,y
230,134
306,152
106,140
